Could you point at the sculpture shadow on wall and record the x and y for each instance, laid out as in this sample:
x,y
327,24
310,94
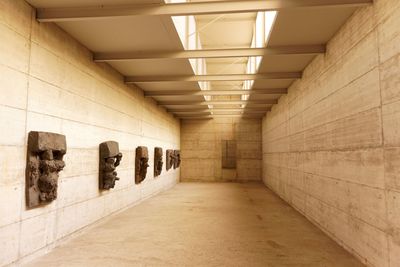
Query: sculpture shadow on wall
x,y
109,159
44,162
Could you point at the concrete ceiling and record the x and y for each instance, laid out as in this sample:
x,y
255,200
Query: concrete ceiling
x,y
84,3
124,34
154,33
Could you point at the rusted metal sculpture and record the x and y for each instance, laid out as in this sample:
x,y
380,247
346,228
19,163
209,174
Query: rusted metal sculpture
x,y
141,164
110,158
177,160
170,155
158,163
44,162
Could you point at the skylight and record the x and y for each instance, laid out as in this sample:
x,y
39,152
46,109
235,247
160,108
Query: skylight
x,y
190,39
261,33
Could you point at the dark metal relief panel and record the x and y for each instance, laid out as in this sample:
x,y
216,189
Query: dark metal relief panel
x,y
158,161
141,164
228,154
170,155
44,162
110,158
177,159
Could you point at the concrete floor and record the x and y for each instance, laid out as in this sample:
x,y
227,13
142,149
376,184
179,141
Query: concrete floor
x,y
219,224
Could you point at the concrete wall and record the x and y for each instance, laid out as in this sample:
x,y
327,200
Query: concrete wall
x,y
201,150
48,82
331,147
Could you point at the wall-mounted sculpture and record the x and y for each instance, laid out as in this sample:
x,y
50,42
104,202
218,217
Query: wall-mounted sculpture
x,y
170,155
110,158
158,163
141,164
177,161
44,162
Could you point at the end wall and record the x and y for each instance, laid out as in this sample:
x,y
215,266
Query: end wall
x,y
331,147
48,82
201,150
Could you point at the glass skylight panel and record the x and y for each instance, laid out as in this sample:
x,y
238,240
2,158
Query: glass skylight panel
x,y
190,39
259,30
269,19
188,33
262,30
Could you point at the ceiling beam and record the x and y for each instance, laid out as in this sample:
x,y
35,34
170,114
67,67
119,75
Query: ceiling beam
x,y
221,77
211,53
197,118
185,9
221,116
205,109
217,102
227,111
189,113
214,92
194,106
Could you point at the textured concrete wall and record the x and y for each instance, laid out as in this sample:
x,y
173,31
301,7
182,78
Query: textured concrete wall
x,y
201,149
48,82
331,147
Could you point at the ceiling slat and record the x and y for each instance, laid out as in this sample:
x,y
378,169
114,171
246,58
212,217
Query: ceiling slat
x,y
185,9
218,102
216,92
222,116
222,77
223,112
211,53
204,109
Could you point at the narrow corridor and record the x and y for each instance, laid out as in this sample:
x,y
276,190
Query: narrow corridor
x,y
203,224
